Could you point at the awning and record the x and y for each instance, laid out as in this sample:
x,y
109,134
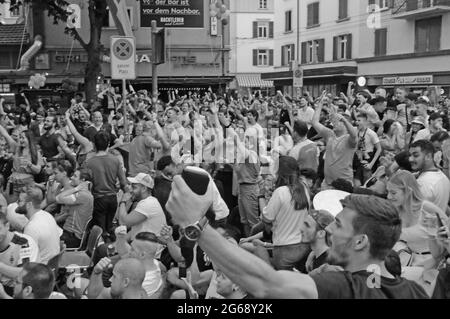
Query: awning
x,y
13,34
252,81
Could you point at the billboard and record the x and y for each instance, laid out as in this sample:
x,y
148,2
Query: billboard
x,y
173,13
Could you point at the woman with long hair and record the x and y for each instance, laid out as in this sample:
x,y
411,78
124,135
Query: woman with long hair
x,y
27,162
285,212
404,193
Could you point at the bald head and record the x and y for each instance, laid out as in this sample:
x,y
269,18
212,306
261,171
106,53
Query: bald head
x,y
133,269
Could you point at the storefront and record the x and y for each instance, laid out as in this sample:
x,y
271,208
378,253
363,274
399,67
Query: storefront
x,y
418,72
315,81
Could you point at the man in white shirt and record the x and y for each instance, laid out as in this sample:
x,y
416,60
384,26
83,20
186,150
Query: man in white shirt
x,y
433,183
42,226
148,216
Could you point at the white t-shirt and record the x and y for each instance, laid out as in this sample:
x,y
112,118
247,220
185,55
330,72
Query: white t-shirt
x,y
153,280
155,218
286,220
22,248
435,187
43,229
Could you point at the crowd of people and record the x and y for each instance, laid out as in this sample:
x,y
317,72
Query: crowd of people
x,y
341,196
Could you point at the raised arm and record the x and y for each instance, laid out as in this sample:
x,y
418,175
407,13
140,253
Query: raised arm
x,y
83,141
316,118
8,138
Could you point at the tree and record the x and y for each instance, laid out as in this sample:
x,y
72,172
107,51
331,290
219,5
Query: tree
x,y
97,12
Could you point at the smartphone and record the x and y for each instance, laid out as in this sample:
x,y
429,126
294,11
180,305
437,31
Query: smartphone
x,y
440,224
182,269
197,179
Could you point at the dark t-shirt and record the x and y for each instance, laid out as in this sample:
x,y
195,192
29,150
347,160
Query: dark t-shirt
x,y
49,145
321,260
346,285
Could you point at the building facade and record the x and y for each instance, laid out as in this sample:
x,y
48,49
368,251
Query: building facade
x,y
408,45
390,42
252,43
196,58
323,37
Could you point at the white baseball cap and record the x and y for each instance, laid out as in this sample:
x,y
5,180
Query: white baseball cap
x,y
142,179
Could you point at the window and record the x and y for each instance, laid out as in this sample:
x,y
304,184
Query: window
x,y
15,12
262,29
287,54
313,51
108,21
428,34
382,4
343,9
8,60
380,42
342,48
262,57
263,4
313,14
288,21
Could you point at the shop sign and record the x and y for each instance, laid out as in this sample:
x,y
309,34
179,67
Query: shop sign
x,y
409,80
173,13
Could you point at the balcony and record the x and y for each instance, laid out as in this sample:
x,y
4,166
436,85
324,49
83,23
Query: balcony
x,y
419,9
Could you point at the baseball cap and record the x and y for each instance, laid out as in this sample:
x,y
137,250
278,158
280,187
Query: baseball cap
x,y
435,116
423,99
142,179
323,218
330,200
418,120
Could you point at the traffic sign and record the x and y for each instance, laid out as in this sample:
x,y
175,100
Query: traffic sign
x,y
297,76
123,58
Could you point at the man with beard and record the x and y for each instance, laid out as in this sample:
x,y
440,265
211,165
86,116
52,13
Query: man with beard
x,y
126,282
363,233
433,183
148,216
35,281
50,141
15,250
97,125
314,233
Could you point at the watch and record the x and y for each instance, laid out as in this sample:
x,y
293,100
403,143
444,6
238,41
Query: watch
x,y
193,232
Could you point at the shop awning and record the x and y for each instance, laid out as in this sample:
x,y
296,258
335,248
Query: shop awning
x,y
252,81
13,34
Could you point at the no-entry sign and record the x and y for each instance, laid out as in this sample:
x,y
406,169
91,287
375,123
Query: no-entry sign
x,y
123,58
